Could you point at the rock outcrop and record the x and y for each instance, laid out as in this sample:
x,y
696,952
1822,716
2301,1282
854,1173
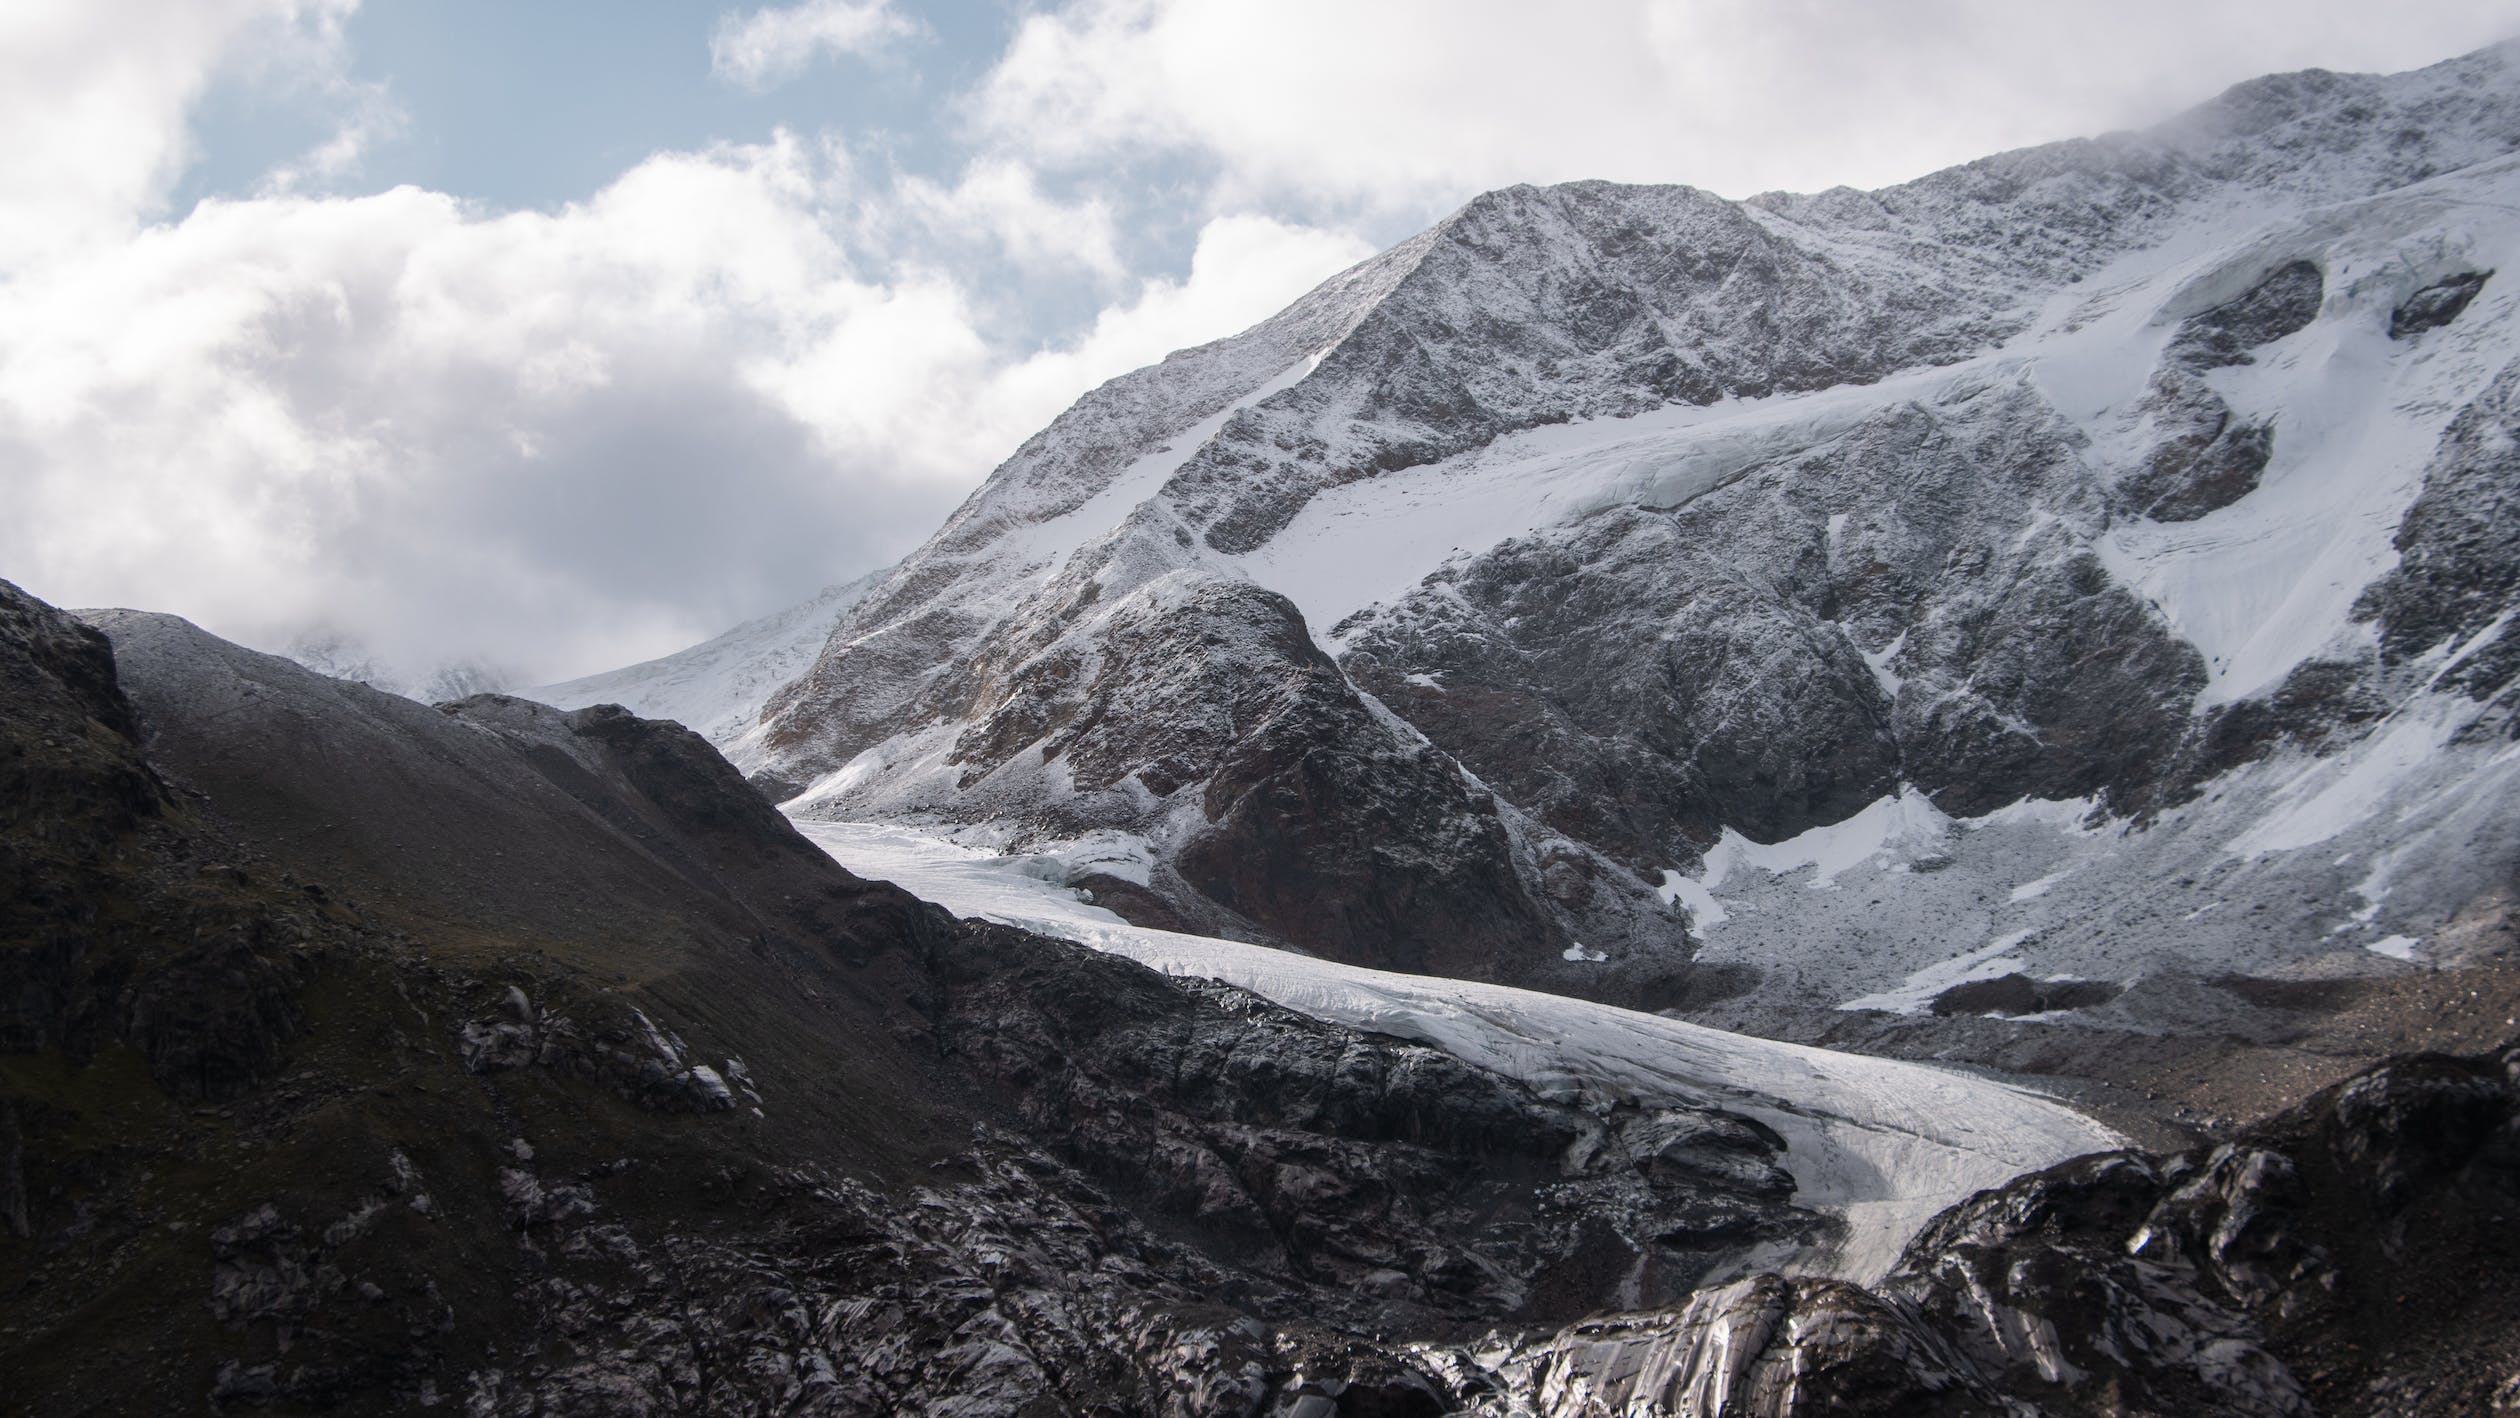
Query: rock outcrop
x,y
2348,1255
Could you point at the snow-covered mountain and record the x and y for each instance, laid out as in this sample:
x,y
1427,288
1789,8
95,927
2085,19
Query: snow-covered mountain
x,y
2060,572
718,686
338,656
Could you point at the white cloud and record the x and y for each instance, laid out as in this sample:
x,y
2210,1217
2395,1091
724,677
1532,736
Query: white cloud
x,y
776,43
93,99
310,61
963,408
1246,269
1410,103
998,203
557,441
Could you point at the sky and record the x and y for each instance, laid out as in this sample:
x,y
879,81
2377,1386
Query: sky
x,y
556,336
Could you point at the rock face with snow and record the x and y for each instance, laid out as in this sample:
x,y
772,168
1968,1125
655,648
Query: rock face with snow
x,y
1474,613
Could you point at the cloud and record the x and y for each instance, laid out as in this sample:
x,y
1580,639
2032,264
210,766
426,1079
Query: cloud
x,y
776,43
556,441
309,61
998,203
93,102
1411,104
963,409
1245,269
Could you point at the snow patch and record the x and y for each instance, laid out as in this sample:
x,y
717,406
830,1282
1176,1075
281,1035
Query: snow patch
x,y
1904,824
2033,890
1879,662
1704,910
2330,795
2270,581
2396,947
1988,962
1371,541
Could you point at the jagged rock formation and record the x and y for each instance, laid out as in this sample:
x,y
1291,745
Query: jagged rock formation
x,y
1960,633
2459,553
2436,305
2282,1273
1459,617
2208,459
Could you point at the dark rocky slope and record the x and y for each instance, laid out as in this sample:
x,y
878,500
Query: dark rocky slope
x,y
2352,1254
366,1056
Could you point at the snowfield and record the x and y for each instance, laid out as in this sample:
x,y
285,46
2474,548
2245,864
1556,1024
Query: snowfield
x,y
1882,1143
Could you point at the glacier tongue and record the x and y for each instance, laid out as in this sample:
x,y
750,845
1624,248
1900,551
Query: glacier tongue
x,y
1882,1143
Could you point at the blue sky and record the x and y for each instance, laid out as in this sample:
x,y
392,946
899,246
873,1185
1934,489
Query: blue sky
x,y
564,333
527,105
532,106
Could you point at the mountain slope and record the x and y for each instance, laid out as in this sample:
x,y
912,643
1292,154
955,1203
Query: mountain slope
x,y
1459,617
